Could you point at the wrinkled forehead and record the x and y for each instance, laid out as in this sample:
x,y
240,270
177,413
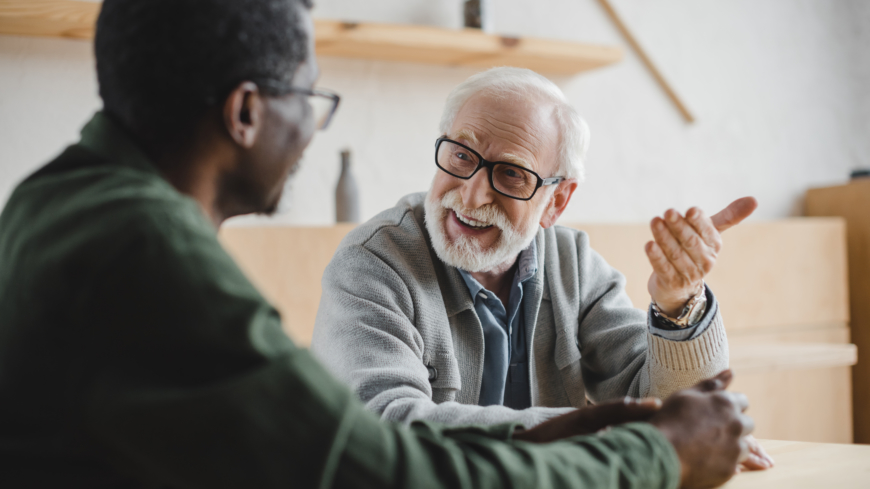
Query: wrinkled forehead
x,y
509,127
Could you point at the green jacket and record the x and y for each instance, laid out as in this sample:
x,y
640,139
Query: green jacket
x,y
134,353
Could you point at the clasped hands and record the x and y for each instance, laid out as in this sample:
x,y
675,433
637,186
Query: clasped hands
x,y
706,425
684,250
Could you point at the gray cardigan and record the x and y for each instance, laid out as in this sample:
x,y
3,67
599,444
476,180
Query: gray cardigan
x,y
399,326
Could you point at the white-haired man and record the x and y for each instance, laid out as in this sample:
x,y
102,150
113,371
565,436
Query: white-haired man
x,y
467,305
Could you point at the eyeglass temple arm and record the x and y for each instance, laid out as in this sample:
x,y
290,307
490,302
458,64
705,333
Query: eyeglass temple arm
x,y
551,181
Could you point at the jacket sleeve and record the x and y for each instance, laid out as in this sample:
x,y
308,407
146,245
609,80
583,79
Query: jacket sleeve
x,y
191,383
365,335
619,354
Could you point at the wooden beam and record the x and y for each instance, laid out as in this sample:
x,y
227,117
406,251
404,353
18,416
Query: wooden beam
x,y
402,43
647,62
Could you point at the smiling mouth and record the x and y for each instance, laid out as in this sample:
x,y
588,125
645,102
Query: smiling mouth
x,y
471,222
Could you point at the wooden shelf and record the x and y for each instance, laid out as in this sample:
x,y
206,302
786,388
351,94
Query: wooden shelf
x,y
467,47
403,43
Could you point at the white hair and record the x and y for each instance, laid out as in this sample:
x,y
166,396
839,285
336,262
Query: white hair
x,y
509,81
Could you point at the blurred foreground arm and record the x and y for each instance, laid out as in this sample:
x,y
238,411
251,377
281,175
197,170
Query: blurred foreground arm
x,y
192,383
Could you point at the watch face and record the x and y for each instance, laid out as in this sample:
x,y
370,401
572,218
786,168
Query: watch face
x,y
691,314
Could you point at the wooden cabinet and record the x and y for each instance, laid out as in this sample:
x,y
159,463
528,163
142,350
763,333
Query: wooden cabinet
x,y
852,202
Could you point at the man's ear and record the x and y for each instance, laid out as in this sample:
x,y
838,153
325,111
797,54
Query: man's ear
x,y
243,114
558,202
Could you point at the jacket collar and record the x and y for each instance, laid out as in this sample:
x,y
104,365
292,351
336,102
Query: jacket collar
x,y
105,137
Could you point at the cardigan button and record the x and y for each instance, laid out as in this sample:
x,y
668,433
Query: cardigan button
x,y
433,372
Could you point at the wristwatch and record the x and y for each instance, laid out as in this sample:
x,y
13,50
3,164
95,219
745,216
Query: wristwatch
x,y
691,314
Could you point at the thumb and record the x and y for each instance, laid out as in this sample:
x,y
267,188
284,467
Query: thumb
x,y
718,383
736,211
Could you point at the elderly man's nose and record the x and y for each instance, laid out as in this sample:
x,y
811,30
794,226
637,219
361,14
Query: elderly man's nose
x,y
476,191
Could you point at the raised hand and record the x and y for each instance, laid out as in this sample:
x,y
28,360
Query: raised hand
x,y
708,429
685,250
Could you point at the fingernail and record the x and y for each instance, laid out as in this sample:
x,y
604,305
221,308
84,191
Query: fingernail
x,y
650,402
673,216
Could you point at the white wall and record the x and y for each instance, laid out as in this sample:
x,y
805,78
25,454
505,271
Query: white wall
x,y
781,90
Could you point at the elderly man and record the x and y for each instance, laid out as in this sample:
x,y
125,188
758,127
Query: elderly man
x,y
467,305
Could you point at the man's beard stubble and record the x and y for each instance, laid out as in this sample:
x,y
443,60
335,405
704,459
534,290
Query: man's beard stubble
x,y
245,195
465,252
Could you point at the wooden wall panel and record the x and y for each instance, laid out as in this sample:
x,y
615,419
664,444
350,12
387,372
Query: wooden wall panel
x,y
776,281
769,274
286,264
852,202
800,405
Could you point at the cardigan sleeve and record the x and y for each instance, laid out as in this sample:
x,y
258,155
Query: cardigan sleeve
x,y
620,355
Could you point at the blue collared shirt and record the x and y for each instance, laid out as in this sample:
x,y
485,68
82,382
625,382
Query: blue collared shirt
x,y
505,352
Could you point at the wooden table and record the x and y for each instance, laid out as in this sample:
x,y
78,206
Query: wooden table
x,y
802,465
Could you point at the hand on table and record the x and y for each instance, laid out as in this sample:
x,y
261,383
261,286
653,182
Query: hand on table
x,y
685,250
590,419
708,429
758,459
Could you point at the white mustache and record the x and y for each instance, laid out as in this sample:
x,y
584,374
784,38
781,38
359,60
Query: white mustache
x,y
489,214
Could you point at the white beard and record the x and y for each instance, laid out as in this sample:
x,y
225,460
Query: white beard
x,y
465,252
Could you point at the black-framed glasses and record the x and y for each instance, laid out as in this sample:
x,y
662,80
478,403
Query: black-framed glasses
x,y
323,103
507,179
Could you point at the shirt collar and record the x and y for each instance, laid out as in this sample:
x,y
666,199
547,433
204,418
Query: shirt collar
x,y
528,262
527,267
103,136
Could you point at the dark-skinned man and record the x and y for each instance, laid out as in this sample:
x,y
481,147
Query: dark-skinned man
x,y
134,353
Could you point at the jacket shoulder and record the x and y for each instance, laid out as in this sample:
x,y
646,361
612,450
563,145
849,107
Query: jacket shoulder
x,y
401,225
393,246
569,240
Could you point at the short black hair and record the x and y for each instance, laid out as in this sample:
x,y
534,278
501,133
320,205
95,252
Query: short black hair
x,y
161,64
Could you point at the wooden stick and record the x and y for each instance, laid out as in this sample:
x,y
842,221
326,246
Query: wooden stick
x,y
629,37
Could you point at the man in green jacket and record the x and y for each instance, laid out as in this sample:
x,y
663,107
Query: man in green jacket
x,y
134,353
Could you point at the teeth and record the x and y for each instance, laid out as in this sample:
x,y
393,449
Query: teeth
x,y
471,222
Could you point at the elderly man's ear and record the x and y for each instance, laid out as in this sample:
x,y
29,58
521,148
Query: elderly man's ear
x,y
558,202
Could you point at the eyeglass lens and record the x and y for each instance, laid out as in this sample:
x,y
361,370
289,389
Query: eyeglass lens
x,y
322,109
507,179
